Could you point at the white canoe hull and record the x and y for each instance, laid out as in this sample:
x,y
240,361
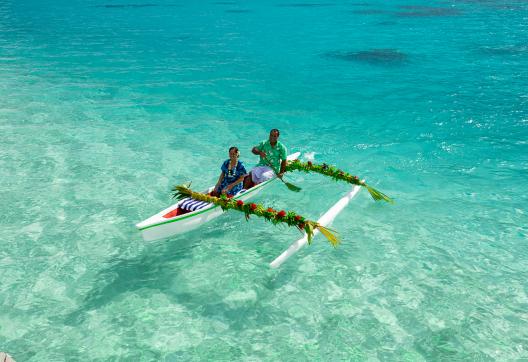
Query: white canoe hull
x,y
158,227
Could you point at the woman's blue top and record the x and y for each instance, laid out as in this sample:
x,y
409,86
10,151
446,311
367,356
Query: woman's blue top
x,y
231,176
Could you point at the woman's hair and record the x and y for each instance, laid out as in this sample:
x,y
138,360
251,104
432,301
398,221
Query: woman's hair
x,y
233,148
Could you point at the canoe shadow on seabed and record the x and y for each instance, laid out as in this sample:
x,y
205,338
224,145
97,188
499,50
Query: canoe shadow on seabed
x,y
154,269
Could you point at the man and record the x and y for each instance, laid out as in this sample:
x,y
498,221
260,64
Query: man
x,y
272,157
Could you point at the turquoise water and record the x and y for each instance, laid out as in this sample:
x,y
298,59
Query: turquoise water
x,y
104,106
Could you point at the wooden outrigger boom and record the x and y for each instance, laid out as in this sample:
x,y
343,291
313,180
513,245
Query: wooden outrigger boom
x,y
324,220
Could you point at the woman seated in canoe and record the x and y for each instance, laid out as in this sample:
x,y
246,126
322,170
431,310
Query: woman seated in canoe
x,y
233,173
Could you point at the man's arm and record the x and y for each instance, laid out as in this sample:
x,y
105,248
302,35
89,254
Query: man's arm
x,y
282,168
256,151
284,157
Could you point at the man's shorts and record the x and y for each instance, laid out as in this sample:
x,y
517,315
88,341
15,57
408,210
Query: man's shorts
x,y
261,173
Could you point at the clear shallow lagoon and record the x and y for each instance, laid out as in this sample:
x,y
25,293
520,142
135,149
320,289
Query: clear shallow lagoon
x,y
105,105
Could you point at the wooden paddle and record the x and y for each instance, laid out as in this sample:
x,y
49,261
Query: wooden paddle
x,y
289,185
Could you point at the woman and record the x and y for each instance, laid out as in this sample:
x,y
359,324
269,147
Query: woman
x,y
233,173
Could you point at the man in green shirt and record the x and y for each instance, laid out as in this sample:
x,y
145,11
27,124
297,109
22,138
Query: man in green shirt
x,y
272,157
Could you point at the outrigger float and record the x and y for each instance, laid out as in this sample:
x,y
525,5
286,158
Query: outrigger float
x,y
194,209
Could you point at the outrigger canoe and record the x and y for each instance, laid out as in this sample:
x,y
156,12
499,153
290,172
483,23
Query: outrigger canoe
x,y
175,220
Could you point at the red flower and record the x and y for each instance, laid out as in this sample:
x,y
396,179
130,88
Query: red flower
x,y
270,209
252,206
298,217
356,178
281,214
240,203
301,226
310,163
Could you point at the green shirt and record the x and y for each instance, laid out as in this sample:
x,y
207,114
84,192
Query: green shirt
x,y
274,154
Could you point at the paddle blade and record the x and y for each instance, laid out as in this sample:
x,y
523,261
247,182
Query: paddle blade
x,y
292,187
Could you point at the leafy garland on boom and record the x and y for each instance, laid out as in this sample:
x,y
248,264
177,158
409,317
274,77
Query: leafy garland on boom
x,y
337,175
276,217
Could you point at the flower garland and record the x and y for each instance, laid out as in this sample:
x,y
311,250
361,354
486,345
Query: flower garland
x,y
337,175
276,217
